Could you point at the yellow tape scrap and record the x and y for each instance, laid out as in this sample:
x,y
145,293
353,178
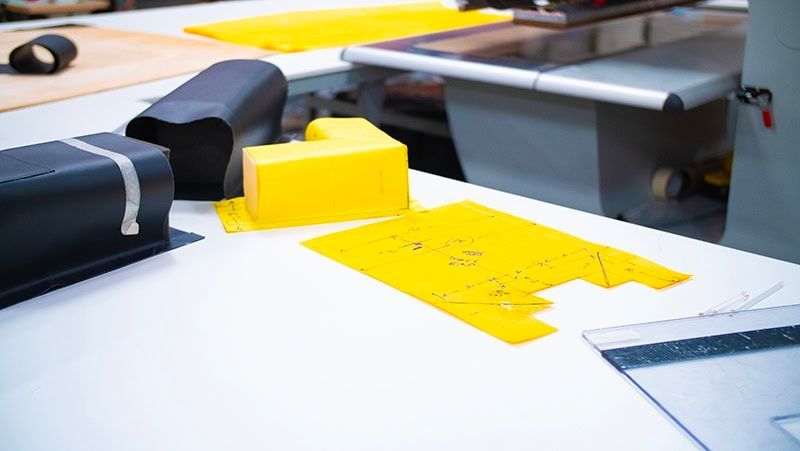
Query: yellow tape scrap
x,y
235,217
309,30
482,265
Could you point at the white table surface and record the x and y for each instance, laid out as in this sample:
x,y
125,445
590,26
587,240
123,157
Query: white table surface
x,y
252,341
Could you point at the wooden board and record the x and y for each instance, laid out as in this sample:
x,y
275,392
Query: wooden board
x,y
108,59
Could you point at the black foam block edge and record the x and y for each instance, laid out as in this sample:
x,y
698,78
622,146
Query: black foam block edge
x,y
178,238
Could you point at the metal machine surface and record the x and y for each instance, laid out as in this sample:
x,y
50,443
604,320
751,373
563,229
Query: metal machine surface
x,y
567,13
764,203
764,208
660,61
583,116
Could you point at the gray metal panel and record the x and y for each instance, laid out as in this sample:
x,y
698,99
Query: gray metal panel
x,y
633,143
697,70
764,204
593,156
505,140
467,70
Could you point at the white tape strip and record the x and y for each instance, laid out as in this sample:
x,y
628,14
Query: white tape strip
x,y
133,192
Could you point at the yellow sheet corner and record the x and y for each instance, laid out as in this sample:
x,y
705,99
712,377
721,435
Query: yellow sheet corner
x,y
235,218
483,266
309,30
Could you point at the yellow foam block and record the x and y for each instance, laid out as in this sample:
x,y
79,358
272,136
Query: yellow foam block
x,y
484,266
346,169
308,30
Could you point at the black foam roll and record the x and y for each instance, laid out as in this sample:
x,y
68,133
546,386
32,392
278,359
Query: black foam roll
x,y
24,60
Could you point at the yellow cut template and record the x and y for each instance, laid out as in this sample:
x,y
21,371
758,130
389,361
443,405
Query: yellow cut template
x,y
309,30
483,266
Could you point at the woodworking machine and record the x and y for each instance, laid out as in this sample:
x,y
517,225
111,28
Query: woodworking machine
x,y
764,206
582,102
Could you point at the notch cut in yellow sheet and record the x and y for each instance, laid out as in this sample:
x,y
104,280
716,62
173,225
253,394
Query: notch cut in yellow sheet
x,y
484,266
309,30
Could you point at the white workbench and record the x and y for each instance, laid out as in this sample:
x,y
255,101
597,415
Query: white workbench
x,y
252,341
109,110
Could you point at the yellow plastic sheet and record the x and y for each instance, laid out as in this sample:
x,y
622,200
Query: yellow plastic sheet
x,y
483,266
235,218
309,30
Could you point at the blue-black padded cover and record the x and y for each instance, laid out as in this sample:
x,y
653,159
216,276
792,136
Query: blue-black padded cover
x,y
209,119
62,210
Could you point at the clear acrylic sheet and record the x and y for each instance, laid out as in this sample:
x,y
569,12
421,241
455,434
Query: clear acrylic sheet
x,y
730,381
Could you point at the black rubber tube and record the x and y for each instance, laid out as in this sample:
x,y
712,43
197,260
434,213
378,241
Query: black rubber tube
x,y
23,59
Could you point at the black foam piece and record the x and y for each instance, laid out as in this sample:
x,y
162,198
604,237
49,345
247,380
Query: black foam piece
x,y
63,212
209,119
24,60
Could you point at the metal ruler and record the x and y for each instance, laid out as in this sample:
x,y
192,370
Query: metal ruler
x,y
702,347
